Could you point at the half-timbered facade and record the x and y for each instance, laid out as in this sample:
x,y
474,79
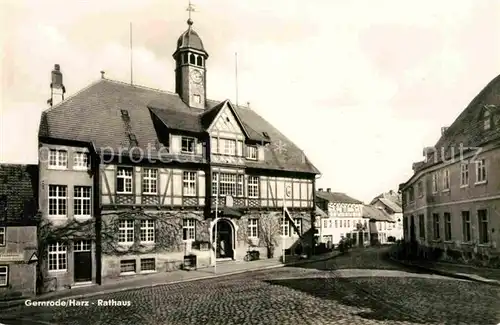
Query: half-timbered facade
x,y
168,175
344,220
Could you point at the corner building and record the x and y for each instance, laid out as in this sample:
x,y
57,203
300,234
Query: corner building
x,y
131,177
451,204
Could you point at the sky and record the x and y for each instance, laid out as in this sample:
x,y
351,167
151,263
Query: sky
x,y
361,86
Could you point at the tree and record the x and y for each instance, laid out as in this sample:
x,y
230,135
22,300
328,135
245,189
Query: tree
x,y
270,230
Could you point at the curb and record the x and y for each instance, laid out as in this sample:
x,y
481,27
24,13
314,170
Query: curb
x,y
448,273
14,303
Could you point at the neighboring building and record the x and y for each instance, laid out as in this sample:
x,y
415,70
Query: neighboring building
x,y
18,230
381,223
137,172
344,219
452,201
391,203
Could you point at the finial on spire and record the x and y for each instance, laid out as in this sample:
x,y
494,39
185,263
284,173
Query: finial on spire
x,y
190,9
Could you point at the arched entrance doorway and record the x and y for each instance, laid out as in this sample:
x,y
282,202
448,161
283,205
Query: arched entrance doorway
x,y
224,239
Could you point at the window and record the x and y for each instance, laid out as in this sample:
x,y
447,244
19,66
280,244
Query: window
x,y
124,180
149,180
192,59
239,185
4,275
421,225
480,171
57,200
285,227
466,227
336,226
199,61
420,190
325,223
188,229
57,257
127,266
229,184
345,223
348,223
446,180
147,231
434,183
464,174
189,184
215,145
487,119
330,221
253,186
252,152
187,145
435,223
148,264
298,224
482,217
81,161
447,226
196,99
82,246
126,231
215,183
228,147
252,228
81,201
3,236
411,194
58,159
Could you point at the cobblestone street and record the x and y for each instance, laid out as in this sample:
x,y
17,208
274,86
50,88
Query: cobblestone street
x,y
362,288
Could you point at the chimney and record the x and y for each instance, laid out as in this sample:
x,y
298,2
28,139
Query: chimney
x,y
102,74
248,105
57,89
328,190
443,130
320,189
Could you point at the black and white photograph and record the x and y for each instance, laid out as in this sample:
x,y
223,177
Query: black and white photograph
x,y
270,162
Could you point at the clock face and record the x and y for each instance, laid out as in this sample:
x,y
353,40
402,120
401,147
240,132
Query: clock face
x,y
196,76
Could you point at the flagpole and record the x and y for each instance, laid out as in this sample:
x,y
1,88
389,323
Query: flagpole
x,y
216,215
284,223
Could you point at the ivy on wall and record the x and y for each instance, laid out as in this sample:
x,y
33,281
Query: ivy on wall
x,y
168,231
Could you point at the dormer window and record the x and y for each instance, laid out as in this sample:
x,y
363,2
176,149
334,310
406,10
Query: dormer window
x,y
486,119
187,145
252,152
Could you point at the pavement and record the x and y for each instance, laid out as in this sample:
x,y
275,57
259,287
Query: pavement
x,y
466,272
362,287
173,277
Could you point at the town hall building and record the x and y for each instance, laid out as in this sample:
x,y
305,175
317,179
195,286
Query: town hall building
x,y
133,179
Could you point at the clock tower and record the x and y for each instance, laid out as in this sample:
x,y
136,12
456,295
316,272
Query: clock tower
x,y
190,68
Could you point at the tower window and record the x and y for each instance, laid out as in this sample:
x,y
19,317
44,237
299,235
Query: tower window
x,y
192,59
197,99
185,58
487,119
200,61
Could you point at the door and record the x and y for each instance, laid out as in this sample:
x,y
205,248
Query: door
x,y
224,240
82,257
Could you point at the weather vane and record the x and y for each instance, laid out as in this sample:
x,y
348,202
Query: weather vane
x,y
190,9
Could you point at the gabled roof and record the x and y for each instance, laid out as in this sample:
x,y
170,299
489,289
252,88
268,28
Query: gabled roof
x,y
467,129
373,213
94,115
336,197
18,194
391,205
392,200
